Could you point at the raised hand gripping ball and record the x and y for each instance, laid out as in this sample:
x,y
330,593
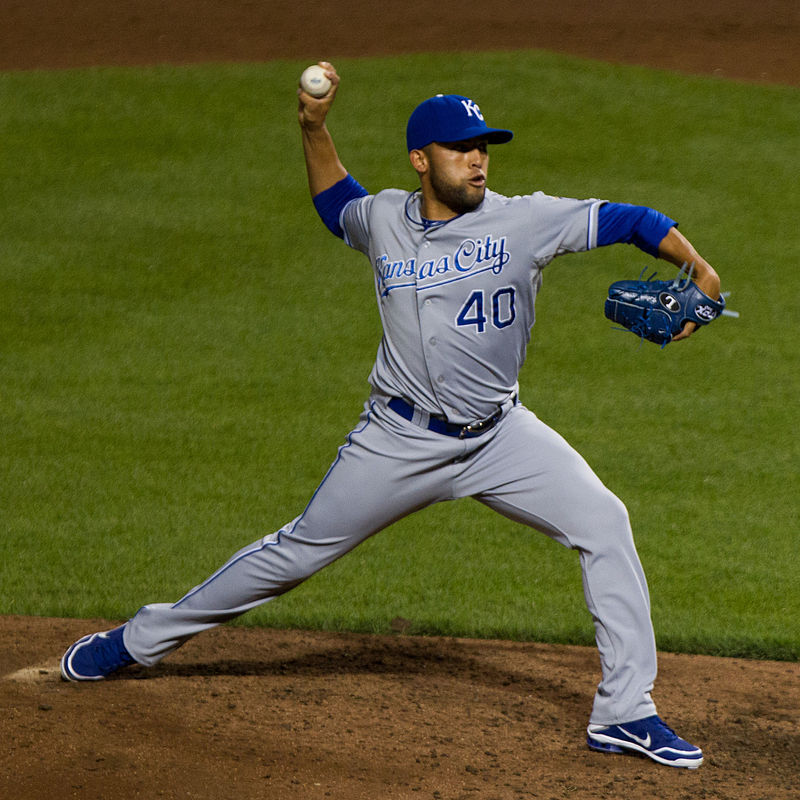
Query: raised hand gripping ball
x,y
314,81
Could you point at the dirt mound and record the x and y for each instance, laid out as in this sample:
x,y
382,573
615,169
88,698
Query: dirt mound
x,y
252,713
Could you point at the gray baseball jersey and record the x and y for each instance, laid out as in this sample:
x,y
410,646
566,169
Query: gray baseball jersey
x,y
457,300
457,304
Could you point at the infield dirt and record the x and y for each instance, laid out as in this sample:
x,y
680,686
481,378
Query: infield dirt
x,y
243,713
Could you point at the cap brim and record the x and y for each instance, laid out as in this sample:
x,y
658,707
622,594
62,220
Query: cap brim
x,y
500,136
492,135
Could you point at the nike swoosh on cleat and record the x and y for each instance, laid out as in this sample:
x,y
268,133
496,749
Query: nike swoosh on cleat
x,y
643,742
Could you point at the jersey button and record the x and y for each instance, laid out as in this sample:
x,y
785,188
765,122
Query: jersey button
x,y
440,379
433,340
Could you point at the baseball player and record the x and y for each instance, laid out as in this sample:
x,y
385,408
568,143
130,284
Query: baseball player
x,y
456,269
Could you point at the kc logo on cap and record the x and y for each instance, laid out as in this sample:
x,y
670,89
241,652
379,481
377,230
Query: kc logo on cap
x,y
472,108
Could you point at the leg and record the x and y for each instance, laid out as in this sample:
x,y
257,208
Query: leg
x,y
540,481
369,486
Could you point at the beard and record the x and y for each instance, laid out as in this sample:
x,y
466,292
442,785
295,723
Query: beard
x,y
459,198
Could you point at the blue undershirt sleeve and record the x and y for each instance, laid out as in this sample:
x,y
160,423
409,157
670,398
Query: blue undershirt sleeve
x,y
331,202
637,225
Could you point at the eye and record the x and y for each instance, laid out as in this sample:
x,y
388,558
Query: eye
x,y
467,147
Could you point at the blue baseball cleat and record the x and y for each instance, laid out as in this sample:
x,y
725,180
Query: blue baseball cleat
x,y
96,656
649,737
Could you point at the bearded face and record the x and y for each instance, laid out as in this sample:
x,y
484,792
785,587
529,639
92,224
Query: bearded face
x,y
453,177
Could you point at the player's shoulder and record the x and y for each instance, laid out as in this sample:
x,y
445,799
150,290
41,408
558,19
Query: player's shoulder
x,y
533,198
539,204
363,216
522,203
392,196
383,199
385,204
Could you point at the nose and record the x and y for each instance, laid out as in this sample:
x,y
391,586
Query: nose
x,y
477,157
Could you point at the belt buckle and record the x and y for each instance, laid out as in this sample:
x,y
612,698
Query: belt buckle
x,y
470,429
477,428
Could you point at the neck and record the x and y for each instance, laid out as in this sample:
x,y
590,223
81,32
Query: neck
x,y
436,211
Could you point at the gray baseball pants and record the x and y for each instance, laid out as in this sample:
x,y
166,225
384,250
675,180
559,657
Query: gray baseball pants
x,y
390,467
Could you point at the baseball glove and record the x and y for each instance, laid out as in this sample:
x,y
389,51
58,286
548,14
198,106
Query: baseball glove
x,y
658,310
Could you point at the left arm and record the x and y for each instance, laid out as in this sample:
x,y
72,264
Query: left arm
x,y
678,250
656,234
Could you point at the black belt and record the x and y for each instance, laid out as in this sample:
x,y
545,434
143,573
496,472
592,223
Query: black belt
x,y
437,425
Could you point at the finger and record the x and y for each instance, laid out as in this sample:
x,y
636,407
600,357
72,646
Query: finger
x,y
330,71
326,99
688,329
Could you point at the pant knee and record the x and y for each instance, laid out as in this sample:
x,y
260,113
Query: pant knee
x,y
615,513
604,525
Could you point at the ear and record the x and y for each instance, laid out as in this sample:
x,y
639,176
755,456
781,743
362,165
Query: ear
x,y
419,160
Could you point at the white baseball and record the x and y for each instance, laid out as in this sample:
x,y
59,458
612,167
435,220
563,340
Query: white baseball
x,y
315,81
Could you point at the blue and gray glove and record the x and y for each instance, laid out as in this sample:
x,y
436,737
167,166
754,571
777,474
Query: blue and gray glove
x,y
658,310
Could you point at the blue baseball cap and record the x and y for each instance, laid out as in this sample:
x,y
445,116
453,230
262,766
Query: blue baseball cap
x,y
449,118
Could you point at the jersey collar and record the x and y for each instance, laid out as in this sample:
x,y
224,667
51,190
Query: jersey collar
x,y
414,216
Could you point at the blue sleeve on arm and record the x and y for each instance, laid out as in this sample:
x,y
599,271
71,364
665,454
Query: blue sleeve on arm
x,y
329,204
637,225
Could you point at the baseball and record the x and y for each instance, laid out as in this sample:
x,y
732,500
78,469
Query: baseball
x,y
315,81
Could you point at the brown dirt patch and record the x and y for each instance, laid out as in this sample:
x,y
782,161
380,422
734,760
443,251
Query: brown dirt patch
x,y
242,713
731,38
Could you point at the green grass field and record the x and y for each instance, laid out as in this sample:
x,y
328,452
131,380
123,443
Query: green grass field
x,y
183,346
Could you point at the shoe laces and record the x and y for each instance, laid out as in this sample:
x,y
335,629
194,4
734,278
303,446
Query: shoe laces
x,y
109,654
664,729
